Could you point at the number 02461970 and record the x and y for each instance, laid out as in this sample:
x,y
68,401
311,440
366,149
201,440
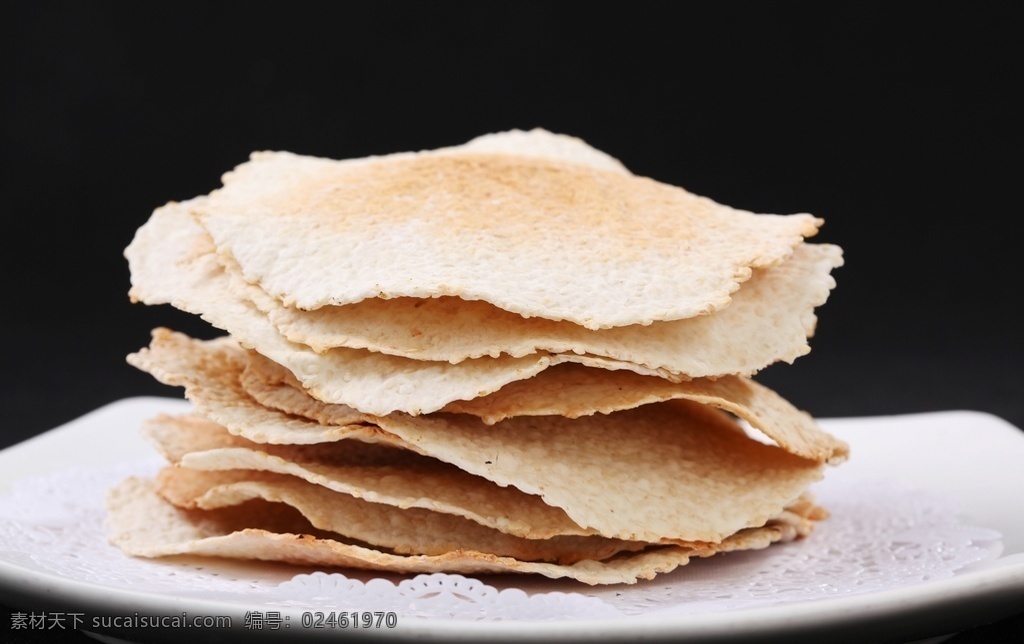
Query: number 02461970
x,y
350,619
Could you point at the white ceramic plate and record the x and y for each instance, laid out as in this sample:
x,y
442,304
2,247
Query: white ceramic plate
x,y
969,459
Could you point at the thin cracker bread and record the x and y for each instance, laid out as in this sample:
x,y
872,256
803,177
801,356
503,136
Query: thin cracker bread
x,y
613,473
142,524
404,480
773,313
492,227
572,390
171,262
769,319
189,277
542,143
399,530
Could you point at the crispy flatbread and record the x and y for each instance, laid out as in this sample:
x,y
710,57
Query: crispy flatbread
x,y
572,390
142,524
172,262
613,473
400,478
540,142
492,227
405,531
511,355
185,274
768,320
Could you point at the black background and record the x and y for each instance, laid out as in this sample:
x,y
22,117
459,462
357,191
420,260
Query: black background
x,y
899,124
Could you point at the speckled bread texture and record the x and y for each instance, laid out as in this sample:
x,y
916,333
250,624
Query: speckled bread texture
x,y
541,143
510,355
403,531
194,281
143,524
769,319
172,261
493,227
612,473
404,480
401,479
572,391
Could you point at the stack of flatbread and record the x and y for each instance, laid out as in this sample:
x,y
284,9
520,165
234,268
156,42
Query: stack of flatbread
x,y
508,356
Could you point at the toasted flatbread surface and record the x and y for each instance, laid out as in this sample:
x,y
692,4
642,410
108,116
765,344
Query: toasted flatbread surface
x,y
143,524
541,143
768,320
573,390
172,261
511,355
613,473
189,277
400,530
489,226
400,478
